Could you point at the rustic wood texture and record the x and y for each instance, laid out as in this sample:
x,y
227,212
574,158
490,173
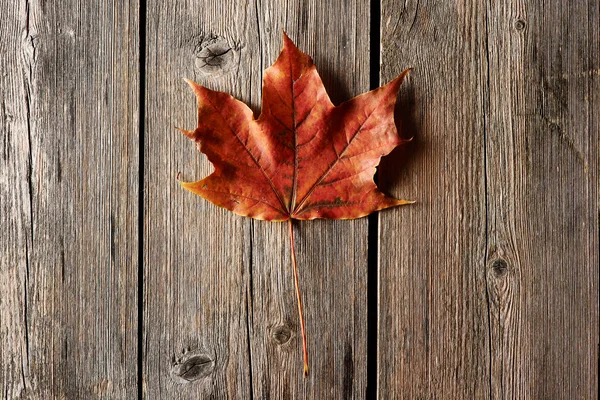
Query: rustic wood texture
x,y
489,285
542,198
433,323
69,87
221,314
196,256
332,255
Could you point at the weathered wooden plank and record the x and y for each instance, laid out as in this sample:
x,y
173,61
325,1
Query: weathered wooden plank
x,y
15,211
197,256
216,282
332,255
68,211
542,174
433,322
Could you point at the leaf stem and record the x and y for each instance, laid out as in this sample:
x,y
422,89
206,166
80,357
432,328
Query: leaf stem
x,y
304,347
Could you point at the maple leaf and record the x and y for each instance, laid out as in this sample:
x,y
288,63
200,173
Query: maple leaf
x,y
303,158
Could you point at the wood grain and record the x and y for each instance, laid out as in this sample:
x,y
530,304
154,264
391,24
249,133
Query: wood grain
x,y
220,285
196,256
69,197
332,255
488,286
542,191
506,150
433,315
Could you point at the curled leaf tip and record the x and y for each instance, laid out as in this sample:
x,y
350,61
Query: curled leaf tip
x,y
405,202
397,81
195,87
189,134
186,185
288,44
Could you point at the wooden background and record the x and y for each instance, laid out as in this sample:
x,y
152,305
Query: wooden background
x,y
115,283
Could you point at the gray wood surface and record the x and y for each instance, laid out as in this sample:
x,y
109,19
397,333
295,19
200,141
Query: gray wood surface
x,y
542,173
69,87
221,315
433,323
196,256
489,285
332,255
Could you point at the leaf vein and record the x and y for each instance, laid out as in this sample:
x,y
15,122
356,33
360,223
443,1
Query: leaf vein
x,y
251,156
318,182
246,197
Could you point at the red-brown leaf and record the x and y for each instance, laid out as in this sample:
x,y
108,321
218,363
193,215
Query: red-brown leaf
x,y
303,158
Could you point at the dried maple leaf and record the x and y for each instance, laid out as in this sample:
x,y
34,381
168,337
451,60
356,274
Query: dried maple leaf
x,y
303,158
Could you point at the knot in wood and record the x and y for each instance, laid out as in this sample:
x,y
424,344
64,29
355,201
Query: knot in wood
x,y
499,268
555,128
281,334
214,56
519,24
191,367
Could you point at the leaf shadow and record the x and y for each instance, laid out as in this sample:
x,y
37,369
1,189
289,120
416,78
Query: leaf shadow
x,y
393,169
337,89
